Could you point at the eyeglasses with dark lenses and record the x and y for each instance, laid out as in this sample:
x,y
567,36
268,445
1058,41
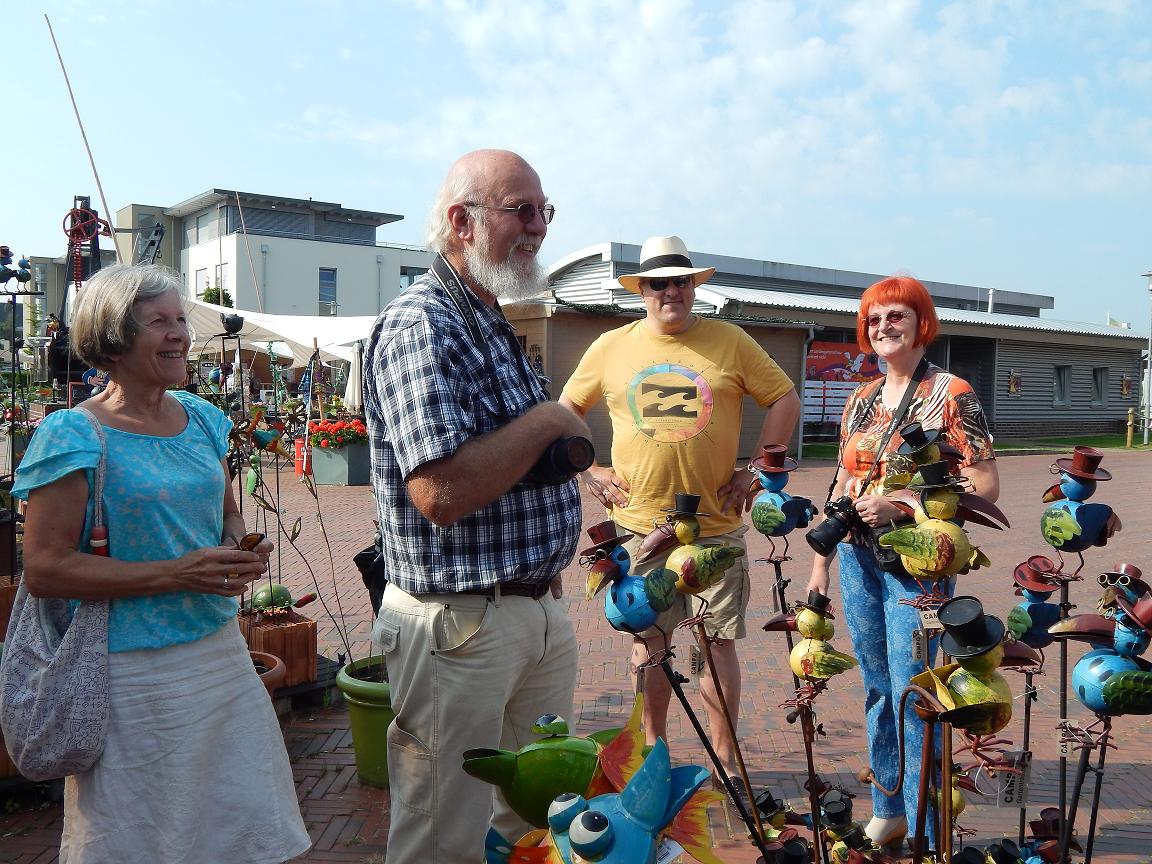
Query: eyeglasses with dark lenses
x,y
660,283
893,317
524,212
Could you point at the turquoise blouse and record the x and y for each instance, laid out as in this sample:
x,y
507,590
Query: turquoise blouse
x,y
163,498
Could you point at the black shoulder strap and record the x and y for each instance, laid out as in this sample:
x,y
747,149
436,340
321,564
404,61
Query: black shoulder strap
x,y
897,421
450,280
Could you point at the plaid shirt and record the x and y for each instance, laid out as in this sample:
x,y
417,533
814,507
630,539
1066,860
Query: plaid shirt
x,y
428,390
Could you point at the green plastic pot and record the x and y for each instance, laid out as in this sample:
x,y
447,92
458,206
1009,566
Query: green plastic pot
x,y
369,714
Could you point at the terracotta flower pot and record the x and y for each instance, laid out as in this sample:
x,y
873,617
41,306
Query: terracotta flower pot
x,y
271,668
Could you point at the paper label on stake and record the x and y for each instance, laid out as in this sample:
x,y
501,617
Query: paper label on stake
x,y
929,619
695,661
668,851
918,652
1012,789
1063,741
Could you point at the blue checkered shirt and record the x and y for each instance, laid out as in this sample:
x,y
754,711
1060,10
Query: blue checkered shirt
x,y
427,391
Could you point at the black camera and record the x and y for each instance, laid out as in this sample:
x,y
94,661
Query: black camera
x,y
562,460
841,519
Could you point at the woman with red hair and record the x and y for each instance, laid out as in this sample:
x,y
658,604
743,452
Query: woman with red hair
x,y
897,322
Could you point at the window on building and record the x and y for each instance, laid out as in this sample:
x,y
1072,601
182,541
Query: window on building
x,y
408,275
200,283
327,291
222,278
1100,386
1062,386
206,227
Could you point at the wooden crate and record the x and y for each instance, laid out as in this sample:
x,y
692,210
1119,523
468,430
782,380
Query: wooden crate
x,y
294,642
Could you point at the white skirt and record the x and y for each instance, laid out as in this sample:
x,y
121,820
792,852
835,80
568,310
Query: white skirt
x,y
194,770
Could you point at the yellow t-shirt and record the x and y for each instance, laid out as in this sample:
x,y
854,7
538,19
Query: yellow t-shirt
x,y
675,403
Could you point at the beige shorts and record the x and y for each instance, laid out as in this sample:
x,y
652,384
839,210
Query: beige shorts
x,y
727,599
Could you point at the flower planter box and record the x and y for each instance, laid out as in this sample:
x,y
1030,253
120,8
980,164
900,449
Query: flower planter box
x,y
294,642
343,466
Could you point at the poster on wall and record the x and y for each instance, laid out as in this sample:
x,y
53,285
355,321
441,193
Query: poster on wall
x,y
1014,382
840,361
832,371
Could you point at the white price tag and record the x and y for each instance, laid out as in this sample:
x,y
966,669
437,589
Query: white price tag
x,y
918,652
1063,742
930,619
668,851
1012,789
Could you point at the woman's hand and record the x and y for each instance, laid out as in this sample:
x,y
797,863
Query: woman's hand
x,y
222,570
606,486
876,510
818,581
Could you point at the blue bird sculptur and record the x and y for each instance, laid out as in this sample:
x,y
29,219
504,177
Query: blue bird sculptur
x,y
1029,621
624,827
775,513
1071,523
1116,680
633,603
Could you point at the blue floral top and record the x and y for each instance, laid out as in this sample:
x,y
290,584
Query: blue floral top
x,y
163,498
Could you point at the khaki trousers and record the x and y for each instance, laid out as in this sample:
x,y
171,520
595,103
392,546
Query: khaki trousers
x,y
465,671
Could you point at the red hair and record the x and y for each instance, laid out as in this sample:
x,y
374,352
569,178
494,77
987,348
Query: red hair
x,y
906,291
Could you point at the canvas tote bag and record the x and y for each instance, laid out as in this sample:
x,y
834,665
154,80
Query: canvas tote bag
x,y
54,674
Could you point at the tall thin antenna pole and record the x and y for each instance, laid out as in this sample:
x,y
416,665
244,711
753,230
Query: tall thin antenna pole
x,y
84,135
248,246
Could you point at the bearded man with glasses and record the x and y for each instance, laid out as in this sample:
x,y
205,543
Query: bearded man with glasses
x,y
476,641
674,385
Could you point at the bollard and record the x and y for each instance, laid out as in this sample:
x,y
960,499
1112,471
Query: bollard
x,y
1131,426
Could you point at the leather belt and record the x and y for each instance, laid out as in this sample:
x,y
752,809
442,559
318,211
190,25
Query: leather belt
x,y
512,589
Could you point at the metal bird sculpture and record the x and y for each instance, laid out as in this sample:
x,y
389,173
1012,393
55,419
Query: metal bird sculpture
x,y
976,696
633,603
813,658
624,827
681,527
1029,621
775,513
557,763
1072,523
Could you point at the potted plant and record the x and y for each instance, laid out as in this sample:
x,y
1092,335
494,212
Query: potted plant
x,y
339,452
364,683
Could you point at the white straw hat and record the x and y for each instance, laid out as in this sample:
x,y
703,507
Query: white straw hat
x,y
665,256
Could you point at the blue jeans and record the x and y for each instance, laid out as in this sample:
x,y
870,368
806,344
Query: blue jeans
x,y
881,630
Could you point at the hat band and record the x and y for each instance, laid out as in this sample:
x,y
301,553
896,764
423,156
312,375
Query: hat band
x,y
665,261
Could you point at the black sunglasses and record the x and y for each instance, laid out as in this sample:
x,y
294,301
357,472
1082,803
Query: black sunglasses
x,y
893,317
681,282
524,212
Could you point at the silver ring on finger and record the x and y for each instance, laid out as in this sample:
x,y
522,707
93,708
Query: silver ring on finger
x,y
225,580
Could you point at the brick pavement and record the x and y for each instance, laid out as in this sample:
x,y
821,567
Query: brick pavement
x,y
349,822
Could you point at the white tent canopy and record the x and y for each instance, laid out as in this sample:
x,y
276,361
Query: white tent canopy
x,y
297,332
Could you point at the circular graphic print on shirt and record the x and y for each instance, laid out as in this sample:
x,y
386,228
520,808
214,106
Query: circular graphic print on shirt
x,y
669,403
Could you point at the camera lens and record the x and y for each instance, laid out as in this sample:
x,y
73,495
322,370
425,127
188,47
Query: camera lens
x,y
575,454
824,537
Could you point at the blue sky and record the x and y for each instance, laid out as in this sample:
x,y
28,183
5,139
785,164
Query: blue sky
x,y
999,144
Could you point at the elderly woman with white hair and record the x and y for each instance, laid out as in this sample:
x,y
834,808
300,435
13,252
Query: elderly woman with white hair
x,y
194,766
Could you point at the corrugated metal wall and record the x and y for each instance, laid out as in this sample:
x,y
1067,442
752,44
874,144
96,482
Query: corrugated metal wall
x,y
1032,408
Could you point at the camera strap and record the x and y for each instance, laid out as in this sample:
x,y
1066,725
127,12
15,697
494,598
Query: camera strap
x,y
897,420
450,281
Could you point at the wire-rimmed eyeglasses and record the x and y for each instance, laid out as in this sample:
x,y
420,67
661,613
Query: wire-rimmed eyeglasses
x,y
524,212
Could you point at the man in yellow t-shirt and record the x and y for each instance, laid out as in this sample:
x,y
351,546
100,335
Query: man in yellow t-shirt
x,y
674,385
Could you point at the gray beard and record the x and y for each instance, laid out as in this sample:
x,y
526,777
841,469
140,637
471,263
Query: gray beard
x,y
505,280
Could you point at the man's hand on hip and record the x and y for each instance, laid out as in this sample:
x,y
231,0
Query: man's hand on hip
x,y
738,493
